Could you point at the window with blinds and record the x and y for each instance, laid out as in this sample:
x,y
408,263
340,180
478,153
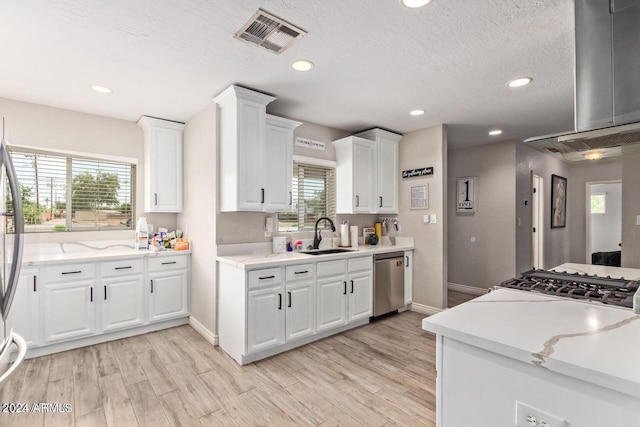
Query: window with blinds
x,y
314,190
61,192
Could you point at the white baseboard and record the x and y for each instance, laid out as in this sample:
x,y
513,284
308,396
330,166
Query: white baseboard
x,y
466,289
206,333
424,309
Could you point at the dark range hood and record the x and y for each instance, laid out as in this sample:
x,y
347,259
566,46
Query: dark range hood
x,y
607,87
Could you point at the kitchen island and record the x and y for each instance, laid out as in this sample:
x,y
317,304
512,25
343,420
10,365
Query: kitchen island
x,y
520,358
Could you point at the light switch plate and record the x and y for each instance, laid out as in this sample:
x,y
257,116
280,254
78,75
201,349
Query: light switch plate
x,y
433,218
425,219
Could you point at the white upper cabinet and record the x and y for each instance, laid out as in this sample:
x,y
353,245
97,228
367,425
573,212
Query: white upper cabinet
x,y
279,164
255,153
163,165
355,175
386,146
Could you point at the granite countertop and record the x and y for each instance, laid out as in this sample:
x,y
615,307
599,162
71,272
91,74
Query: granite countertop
x,y
55,253
263,258
592,342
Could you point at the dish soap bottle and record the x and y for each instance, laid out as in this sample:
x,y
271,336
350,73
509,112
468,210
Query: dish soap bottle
x,y
142,234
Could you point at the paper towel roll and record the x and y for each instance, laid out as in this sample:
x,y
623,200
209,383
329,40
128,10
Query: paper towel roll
x,y
378,227
354,236
344,234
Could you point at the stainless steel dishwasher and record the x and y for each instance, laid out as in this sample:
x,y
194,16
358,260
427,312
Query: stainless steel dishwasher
x,y
388,282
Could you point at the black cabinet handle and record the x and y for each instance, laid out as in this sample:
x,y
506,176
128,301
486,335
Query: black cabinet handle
x,y
301,272
91,295
279,301
357,200
290,198
380,202
169,262
155,195
289,305
34,283
407,257
266,277
262,195
72,272
151,286
345,288
352,286
105,292
123,268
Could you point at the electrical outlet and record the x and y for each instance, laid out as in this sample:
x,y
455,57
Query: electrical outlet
x,y
527,416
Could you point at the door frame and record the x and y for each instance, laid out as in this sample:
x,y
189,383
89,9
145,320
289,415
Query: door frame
x,y
587,214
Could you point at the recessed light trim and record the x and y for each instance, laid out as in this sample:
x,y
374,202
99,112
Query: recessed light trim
x,y
495,132
414,4
302,65
594,155
416,112
520,81
101,89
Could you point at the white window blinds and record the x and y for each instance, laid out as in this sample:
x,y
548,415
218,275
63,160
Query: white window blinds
x,y
62,192
313,197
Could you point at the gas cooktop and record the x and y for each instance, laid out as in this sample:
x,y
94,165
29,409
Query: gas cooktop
x,y
618,292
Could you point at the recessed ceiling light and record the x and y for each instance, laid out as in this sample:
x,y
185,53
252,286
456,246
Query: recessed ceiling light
x,y
415,3
302,65
495,132
519,82
101,89
594,155
416,112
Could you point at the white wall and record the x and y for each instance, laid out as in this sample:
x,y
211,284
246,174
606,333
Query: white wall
x,y
426,147
492,257
606,228
39,126
199,219
630,209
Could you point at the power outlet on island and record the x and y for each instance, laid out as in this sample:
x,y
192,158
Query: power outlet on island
x,y
528,416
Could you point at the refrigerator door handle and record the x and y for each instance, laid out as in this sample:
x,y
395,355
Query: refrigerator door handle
x,y
22,351
18,224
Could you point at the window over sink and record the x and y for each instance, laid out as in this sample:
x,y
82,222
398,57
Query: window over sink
x,y
313,196
64,192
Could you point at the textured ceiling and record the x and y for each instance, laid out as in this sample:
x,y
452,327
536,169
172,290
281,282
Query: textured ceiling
x,y
375,60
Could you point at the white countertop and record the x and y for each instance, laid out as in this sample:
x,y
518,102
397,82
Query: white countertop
x,y
263,259
588,341
55,253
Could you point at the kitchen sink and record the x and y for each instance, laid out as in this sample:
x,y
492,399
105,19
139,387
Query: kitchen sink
x,y
327,251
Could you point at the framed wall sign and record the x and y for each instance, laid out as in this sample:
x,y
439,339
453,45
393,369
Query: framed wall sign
x,y
466,195
420,196
558,201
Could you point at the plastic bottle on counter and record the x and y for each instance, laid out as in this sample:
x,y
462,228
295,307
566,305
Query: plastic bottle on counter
x,y
142,234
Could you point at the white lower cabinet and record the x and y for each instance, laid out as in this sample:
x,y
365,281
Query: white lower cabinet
x,y
408,277
123,302
168,288
69,310
265,326
24,315
300,302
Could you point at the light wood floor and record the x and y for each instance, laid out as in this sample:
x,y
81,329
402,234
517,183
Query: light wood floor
x,y
379,374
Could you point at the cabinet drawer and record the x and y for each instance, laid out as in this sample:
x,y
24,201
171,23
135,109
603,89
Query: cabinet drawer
x,y
69,272
125,267
360,264
299,272
331,268
267,276
167,263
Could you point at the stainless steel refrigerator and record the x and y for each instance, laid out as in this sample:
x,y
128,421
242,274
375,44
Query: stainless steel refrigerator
x,y
12,347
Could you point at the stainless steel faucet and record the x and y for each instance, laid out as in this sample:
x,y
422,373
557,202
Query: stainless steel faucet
x,y
316,234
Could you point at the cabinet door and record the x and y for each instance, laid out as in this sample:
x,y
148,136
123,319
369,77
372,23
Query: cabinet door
x,y
69,310
265,319
168,295
251,155
279,163
364,171
360,296
122,302
24,315
331,302
300,313
408,277
387,176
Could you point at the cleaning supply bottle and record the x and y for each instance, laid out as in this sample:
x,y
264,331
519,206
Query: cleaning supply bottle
x,y
142,234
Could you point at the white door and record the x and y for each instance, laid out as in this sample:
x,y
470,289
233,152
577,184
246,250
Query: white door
x,y
122,302
69,311
279,162
168,295
251,155
331,296
364,172
387,176
24,316
166,170
537,222
300,313
265,319
360,288
604,221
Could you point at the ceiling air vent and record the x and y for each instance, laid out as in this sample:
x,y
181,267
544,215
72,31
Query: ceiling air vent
x,y
269,32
